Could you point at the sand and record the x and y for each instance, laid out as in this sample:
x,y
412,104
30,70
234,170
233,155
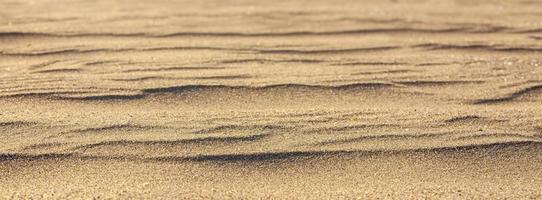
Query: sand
x,y
271,99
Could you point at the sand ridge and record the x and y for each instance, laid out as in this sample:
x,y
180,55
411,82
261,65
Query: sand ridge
x,y
270,99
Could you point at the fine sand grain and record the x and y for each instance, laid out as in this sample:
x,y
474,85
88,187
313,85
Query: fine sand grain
x,y
399,99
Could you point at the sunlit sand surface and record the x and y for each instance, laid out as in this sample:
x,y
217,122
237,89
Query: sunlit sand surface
x,y
271,99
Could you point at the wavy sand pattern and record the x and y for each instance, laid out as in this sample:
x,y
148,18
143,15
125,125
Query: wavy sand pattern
x,y
271,99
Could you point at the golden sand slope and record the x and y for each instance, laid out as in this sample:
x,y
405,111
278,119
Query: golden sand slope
x,y
271,99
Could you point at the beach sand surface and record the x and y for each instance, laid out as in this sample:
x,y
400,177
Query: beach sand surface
x,y
343,99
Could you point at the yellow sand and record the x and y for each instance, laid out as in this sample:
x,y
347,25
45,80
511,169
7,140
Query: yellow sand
x,y
271,99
